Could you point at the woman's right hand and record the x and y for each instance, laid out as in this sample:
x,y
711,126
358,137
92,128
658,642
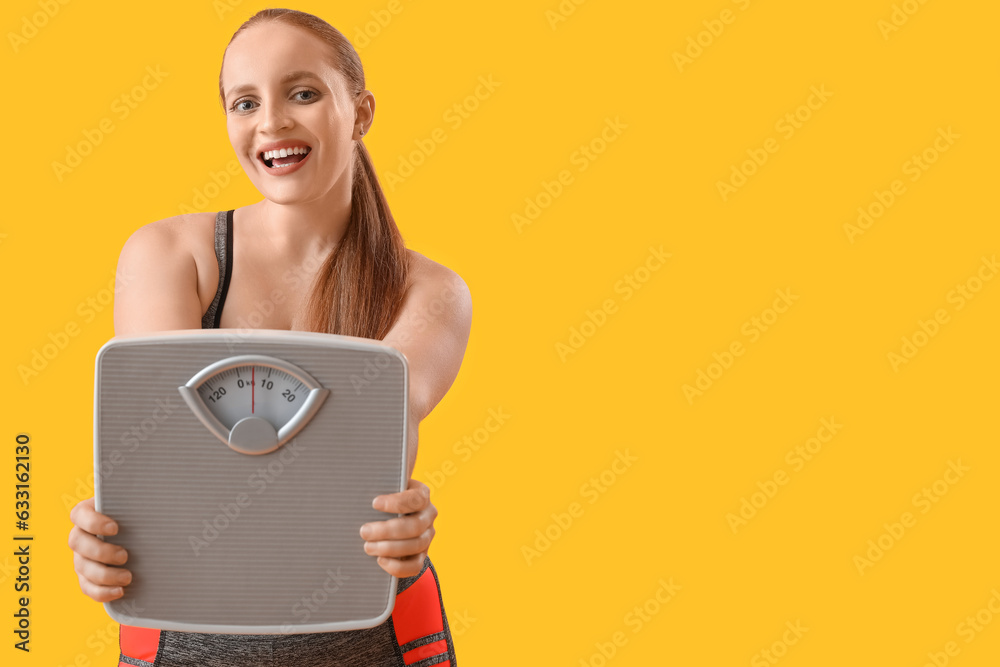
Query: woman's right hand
x,y
92,556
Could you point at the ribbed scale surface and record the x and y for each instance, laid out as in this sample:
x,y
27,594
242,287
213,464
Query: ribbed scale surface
x,y
170,485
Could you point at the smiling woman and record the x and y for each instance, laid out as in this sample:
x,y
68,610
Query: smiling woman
x,y
293,91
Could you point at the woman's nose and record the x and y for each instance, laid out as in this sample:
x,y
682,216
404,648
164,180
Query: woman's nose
x,y
276,117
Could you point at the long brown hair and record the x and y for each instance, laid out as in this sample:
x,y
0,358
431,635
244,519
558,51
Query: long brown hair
x,y
359,289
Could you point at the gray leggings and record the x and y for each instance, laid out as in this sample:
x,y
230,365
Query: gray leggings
x,y
416,634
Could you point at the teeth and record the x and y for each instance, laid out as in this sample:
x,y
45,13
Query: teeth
x,y
285,152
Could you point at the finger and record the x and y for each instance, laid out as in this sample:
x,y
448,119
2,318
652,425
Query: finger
x,y
403,567
98,573
416,496
98,592
96,549
414,499
417,484
86,517
401,548
399,528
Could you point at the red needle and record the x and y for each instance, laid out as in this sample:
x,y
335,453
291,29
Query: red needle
x,y
252,387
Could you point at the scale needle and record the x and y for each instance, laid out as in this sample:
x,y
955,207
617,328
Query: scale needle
x,y
253,386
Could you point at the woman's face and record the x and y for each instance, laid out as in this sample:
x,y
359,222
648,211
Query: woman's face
x,y
266,109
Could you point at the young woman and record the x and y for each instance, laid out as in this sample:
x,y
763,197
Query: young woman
x,y
321,252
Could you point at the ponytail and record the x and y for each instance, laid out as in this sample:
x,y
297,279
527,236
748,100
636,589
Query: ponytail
x,y
360,287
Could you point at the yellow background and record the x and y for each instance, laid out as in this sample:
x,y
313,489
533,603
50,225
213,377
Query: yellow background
x,y
656,184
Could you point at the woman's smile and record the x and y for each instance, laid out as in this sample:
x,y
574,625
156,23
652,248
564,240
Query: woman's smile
x,y
285,165
284,157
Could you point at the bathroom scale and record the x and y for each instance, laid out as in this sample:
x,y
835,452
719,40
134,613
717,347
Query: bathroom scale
x,y
240,466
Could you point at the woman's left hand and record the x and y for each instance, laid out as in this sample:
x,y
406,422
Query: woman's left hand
x,y
401,542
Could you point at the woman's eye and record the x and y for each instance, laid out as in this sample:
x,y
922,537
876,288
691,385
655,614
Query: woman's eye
x,y
246,105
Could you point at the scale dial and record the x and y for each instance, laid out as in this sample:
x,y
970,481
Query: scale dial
x,y
253,403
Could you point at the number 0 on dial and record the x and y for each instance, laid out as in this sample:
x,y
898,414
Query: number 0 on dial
x,y
253,403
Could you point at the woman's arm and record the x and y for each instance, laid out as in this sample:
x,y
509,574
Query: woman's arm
x,y
157,291
432,332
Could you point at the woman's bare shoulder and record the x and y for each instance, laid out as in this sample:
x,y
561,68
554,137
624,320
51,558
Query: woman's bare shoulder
x,y
432,284
188,235
177,229
160,276
424,270
185,242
